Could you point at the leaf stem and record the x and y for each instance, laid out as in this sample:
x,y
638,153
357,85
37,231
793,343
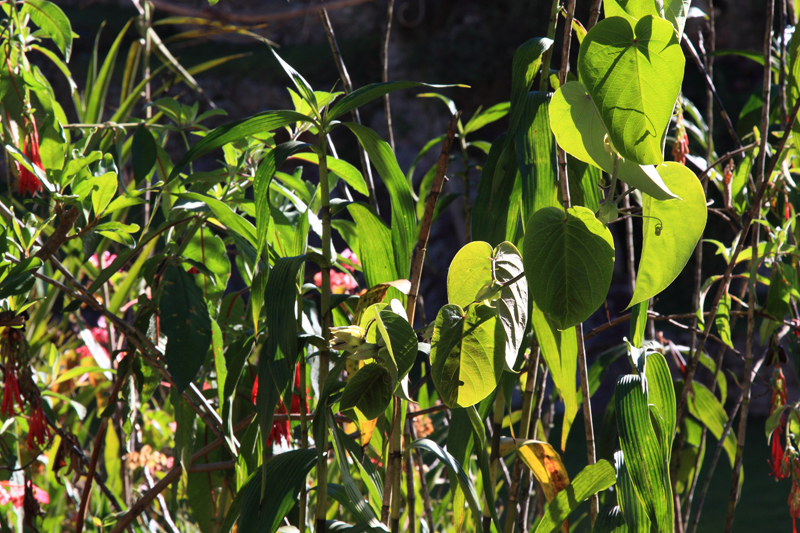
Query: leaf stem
x,y
325,311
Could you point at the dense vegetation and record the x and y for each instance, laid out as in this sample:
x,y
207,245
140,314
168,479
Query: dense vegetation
x,y
208,328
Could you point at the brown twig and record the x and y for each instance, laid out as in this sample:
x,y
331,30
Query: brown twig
x,y
366,169
171,476
725,157
59,236
427,218
594,13
387,108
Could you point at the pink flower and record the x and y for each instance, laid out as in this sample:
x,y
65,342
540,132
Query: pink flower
x,y
15,494
350,256
104,262
340,282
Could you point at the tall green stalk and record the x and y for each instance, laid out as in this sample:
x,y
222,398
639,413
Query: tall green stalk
x,y
324,356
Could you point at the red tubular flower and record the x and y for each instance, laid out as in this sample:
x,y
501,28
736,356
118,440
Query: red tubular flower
x,y
11,395
38,431
28,182
780,395
281,429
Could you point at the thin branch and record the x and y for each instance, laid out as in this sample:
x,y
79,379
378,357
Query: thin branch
x,y
427,218
725,157
366,169
171,476
709,82
594,13
387,108
587,413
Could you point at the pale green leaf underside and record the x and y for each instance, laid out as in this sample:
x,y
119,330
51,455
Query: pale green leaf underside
x,y
568,263
470,270
580,131
671,229
634,76
675,11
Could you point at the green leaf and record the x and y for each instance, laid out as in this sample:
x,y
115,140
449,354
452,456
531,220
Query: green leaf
x,y
536,155
778,298
257,124
610,520
705,407
671,230
465,365
580,131
185,322
560,352
647,464
400,340
98,89
569,259
370,390
470,271
285,475
300,83
209,250
456,472
52,21
661,399
589,481
512,305
639,323
675,11
226,215
722,320
404,223
370,92
525,66
266,170
280,298
627,499
584,184
634,76
485,117
104,188
493,211
341,168
144,153
375,245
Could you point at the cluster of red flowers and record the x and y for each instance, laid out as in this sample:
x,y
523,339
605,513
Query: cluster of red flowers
x,y
780,460
681,145
341,282
280,429
38,430
28,182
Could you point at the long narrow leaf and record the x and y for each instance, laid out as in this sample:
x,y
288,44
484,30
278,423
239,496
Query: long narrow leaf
x,y
370,92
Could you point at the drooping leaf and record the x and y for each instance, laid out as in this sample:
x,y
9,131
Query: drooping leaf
x,y
560,352
588,482
226,215
580,131
705,407
629,502
185,322
375,245
285,475
52,21
370,390
671,230
370,92
404,223
546,465
569,259
493,211
512,305
536,155
465,365
525,66
234,131
647,464
633,75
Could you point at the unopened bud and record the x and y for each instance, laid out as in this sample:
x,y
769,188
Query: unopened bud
x,y
347,338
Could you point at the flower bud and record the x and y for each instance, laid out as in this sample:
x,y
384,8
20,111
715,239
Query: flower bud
x,y
347,338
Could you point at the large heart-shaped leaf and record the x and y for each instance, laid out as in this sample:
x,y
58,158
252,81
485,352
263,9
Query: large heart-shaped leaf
x,y
671,229
465,365
569,259
634,76
512,305
470,271
580,131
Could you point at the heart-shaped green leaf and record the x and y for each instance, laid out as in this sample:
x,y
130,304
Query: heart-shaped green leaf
x,y
512,305
580,131
470,270
671,229
634,76
568,260
465,365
